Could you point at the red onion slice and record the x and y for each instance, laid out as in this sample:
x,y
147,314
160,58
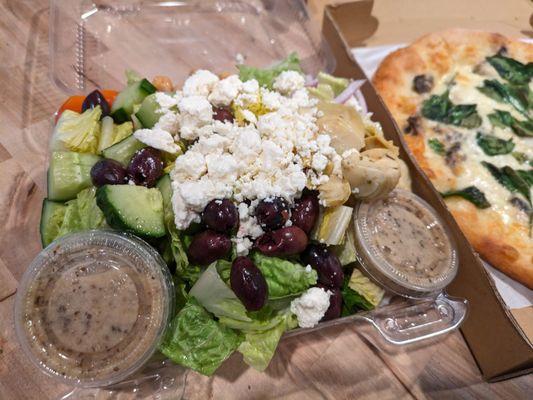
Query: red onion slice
x,y
361,100
310,81
349,91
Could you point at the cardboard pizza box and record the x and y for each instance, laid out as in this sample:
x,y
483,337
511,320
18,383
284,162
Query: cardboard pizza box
x,y
500,338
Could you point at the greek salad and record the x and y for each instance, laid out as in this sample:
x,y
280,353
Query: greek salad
x,y
245,184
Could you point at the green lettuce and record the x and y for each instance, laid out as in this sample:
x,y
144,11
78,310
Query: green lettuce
x,y
216,297
224,269
71,219
284,277
195,340
176,246
366,288
336,84
322,91
266,76
91,216
261,320
359,293
79,132
81,214
258,348
346,251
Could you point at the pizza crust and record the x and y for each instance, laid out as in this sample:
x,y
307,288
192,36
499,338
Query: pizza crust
x,y
507,246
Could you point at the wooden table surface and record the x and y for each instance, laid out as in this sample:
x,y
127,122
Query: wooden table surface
x,y
336,363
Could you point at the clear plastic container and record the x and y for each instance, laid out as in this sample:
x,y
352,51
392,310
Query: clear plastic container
x,y
92,43
404,245
92,307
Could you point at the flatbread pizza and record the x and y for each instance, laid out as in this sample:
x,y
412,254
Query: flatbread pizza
x,y
464,102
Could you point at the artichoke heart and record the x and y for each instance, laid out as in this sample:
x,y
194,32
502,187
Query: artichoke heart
x,y
334,192
379,142
372,174
343,124
405,177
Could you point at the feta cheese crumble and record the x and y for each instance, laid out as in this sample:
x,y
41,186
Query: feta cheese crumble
x,y
289,81
225,91
200,83
195,112
274,152
311,306
158,139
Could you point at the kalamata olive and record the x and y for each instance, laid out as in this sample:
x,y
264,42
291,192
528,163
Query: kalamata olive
x,y
221,216
146,167
305,211
335,303
108,172
326,263
222,114
93,99
282,242
272,213
248,283
208,246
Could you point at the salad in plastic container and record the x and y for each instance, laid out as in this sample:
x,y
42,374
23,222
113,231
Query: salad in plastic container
x,y
251,185
245,184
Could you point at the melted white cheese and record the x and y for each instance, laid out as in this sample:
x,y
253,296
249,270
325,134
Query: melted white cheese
x,y
472,172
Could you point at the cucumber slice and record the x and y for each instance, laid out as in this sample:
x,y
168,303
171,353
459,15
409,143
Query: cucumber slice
x,y
165,187
133,208
133,94
106,134
69,173
124,150
52,215
136,123
149,113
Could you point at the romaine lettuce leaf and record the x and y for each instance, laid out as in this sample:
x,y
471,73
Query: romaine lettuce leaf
x,y
79,132
258,348
266,76
284,277
366,288
216,297
82,214
322,92
91,216
71,219
346,251
224,269
195,340
359,292
122,131
176,245
335,83
261,320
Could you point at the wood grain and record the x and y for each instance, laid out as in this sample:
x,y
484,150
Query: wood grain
x,y
336,363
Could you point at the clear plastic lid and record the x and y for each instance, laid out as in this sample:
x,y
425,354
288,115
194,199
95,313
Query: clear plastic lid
x,y
92,43
404,245
92,307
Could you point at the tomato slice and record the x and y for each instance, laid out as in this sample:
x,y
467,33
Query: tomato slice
x,y
74,103
109,95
